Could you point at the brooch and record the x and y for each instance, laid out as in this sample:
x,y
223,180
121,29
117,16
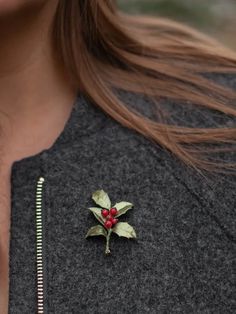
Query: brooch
x,y
107,216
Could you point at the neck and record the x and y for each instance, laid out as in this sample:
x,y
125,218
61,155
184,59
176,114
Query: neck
x,y
30,74
35,92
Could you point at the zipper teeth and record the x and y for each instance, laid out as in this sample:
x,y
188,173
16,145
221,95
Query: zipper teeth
x,y
39,246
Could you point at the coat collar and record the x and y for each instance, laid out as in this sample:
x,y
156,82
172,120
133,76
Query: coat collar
x,y
85,119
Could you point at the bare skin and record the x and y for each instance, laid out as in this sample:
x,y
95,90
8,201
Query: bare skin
x,y
36,99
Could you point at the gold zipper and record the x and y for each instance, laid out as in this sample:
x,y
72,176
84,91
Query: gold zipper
x,y
39,246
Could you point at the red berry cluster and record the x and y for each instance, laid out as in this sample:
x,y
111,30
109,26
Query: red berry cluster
x,y
110,217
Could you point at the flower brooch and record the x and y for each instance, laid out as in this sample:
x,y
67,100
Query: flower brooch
x,y
107,216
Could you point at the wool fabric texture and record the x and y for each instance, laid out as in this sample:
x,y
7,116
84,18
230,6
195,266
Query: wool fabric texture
x,y
183,260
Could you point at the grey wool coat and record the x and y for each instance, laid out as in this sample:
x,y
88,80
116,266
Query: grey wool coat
x,y
183,257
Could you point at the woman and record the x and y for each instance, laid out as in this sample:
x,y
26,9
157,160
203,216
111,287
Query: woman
x,y
114,129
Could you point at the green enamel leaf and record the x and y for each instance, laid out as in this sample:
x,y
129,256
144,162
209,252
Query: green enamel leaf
x,y
96,231
123,229
122,207
97,213
102,199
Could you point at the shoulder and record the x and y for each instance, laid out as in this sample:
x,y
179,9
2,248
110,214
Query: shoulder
x,y
130,164
120,138
155,172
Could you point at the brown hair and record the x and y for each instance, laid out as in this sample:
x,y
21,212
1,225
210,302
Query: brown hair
x,y
102,48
